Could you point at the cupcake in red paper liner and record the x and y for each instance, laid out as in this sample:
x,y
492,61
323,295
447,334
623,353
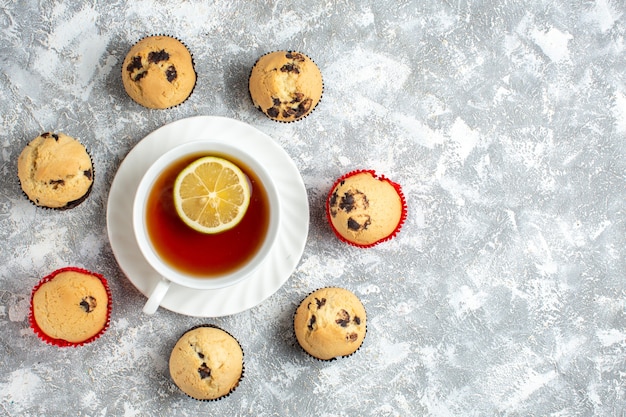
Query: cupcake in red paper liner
x,y
70,307
329,323
365,209
207,363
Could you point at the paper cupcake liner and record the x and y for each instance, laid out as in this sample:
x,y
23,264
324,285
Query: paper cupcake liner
x,y
61,342
243,365
308,353
70,204
193,65
398,189
272,118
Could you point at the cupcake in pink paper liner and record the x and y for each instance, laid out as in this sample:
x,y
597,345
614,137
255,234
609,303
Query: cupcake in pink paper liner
x,y
365,209
70,307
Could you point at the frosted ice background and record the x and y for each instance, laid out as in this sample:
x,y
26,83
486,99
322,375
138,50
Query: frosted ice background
x,y
504,123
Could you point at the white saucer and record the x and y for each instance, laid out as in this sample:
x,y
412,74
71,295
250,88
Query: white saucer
x,y
292,233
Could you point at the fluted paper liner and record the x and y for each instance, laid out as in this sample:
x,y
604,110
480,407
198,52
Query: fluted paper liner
x,y
304,350
276,119
193,64
70,204
61,342
243,364
398,189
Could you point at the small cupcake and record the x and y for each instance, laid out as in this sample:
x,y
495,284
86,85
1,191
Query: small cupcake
x,y
206,363
70,307
329,323
364,209
55,171
286,86
158,72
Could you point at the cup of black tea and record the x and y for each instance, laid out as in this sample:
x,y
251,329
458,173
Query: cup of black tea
x,y
198,260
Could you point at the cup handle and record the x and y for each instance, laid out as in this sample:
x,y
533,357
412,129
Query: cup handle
x,y
157,295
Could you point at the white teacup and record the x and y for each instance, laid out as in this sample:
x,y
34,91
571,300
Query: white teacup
x,y
170,273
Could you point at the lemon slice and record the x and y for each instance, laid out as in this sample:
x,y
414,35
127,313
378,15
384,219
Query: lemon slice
x,y
211,194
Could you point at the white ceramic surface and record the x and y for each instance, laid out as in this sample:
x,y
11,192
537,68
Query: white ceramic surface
x,y
168,272
285,253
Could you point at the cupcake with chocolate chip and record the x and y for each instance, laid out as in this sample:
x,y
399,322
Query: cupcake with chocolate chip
x,y
285,85
330,323
70,307
158,72
55,171
365,209
206,363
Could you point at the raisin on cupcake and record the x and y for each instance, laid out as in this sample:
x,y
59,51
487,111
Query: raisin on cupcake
x,y
285,85
70,307
206,363
158,72
55,171
364,209
330,322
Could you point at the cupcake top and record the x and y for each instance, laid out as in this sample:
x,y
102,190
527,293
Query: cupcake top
x,y
330,322
206,363
285,85
71,306
364,209
55,171
158,72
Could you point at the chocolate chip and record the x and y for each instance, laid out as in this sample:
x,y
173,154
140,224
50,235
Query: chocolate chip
x,y
88,304
312,321
290,68
353,224
55,183
273,112
204,371
304,107
88,174
357,320
352,337
135,64
276,101
158,56
170,73
320,303
140,75
298,97
295,56
48,134
343,318
333,203
356,226
200,355
349,200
